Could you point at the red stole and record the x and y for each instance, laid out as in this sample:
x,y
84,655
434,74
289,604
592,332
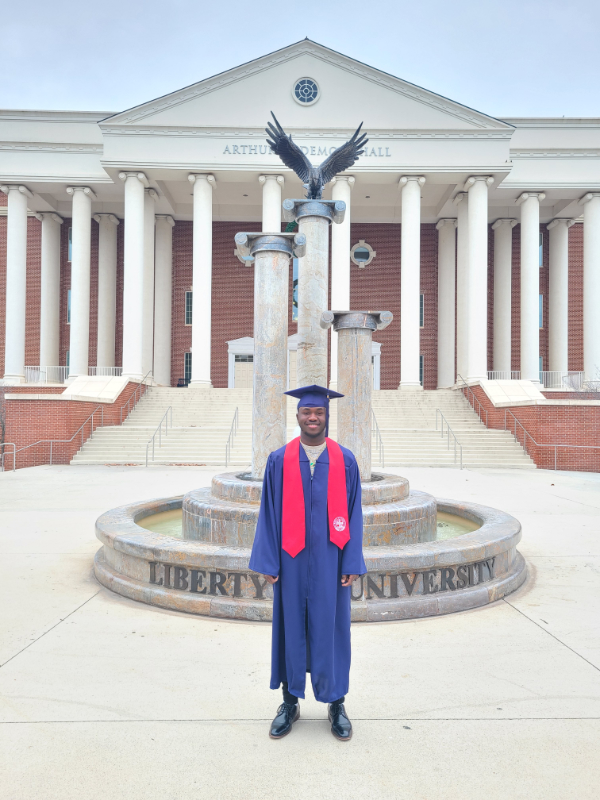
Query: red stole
x,y
293,534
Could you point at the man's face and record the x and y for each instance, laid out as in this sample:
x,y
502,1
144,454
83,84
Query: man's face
x,y
312,421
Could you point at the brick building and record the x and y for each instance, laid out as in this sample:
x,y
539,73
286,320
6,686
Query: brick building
x,y
481,235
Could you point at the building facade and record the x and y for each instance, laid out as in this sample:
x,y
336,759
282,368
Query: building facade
x,y
481,235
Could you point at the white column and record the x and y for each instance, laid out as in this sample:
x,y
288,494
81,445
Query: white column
x,y
477,312
530,285
340,265
271,205
133,278
50,290
462,271
503,294
591,286
163,299
16,275
446,302
81,244
150,196
107,289
202,278
558,295
410,282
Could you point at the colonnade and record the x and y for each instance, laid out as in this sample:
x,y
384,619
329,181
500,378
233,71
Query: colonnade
x,y
462,261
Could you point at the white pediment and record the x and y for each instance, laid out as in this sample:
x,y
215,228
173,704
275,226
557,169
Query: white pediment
x,y
350,92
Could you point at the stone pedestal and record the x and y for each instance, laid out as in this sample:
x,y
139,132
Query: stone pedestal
x,y
271,254
314,218
355,332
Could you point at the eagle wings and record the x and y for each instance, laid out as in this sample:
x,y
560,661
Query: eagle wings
x,y
314,178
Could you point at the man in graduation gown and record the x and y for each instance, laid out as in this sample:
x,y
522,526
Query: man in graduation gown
x,y
308,545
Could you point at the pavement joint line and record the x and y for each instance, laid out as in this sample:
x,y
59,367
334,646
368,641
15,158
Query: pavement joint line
x,y
552,635
302,719
27,646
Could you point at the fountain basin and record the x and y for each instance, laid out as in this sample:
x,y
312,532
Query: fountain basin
x,y
211,578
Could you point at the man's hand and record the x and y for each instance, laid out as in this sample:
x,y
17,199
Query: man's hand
x,y
271,579
348,580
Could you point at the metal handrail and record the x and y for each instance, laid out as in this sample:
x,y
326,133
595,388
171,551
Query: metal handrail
x,y
134,395
232,433
378,439
475,400
52,442
537,444
449,431
3,454
158,431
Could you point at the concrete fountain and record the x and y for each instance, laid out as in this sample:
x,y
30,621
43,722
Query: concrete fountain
x,y
425,556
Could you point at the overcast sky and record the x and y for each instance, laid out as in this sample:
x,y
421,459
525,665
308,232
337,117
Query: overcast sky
x,y
502,57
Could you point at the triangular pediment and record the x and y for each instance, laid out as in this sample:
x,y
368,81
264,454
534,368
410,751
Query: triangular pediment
x,y
349,92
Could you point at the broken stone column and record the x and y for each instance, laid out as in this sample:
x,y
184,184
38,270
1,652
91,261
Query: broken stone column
x,y
271,255
355,381
314,218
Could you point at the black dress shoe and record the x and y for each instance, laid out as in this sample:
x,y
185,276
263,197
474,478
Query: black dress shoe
x,y
341,727
287,714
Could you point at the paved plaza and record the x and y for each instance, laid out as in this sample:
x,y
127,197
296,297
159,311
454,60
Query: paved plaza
x,y
102,697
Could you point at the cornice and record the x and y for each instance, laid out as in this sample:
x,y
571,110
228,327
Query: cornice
x,y
54,116
51,147
301,133
570,153
330,57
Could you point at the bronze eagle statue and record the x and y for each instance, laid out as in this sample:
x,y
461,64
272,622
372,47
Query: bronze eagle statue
x,y
314,178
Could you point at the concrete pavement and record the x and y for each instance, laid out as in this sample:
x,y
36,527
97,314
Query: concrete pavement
x,y
102,697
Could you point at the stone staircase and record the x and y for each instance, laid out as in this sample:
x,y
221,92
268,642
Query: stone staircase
x,y
407,422
202,419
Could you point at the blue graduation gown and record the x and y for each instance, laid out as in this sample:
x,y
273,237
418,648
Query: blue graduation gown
x,y
309,595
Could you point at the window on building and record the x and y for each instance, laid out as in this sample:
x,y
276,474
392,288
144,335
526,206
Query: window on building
x,y
541,366
68,307
422,311
188,307
421,369
541,311
68,360
70,244
187,367
541,251
295,290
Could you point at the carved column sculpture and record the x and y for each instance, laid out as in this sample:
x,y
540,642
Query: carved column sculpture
x,y
355,382
271,255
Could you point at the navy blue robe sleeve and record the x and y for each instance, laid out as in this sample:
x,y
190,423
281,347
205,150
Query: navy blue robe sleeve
x,y
266,549
353,562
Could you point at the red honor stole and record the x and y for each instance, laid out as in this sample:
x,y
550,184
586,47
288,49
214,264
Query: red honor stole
x,y
293,534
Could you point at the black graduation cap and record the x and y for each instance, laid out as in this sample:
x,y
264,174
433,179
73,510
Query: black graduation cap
x,y
314,396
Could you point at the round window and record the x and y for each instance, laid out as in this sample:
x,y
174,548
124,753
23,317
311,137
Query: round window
x,y
306,91
362,254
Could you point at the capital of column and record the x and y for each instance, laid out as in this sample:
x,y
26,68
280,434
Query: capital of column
x,y
500,222
262,179
442,222
85,189
208,177
371,320
139,175
470,182
349,179
460,197
332,210
249,244
151,193
587,197
555,222
110,217
165,218
406,178
49,215
526,195
5,188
